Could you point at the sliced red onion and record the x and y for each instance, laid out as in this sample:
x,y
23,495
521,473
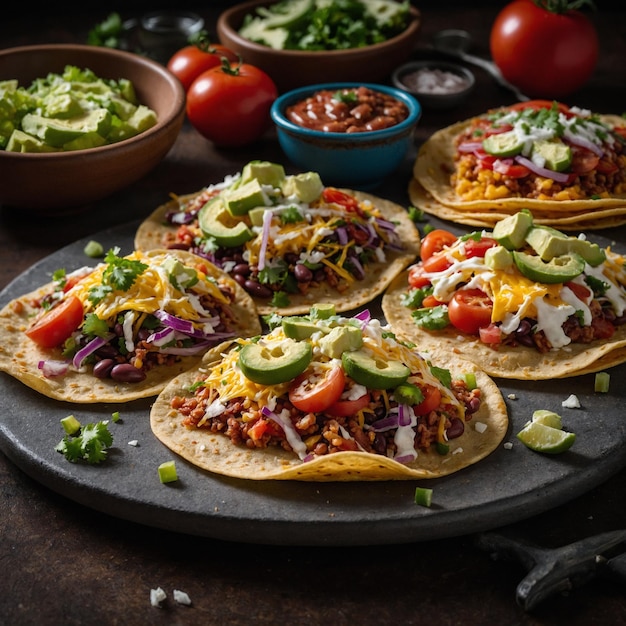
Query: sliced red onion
x,y
183,326
502,165
342,235
583,142
162,337
559,177
364,317
386,423
90,348
51,369
470,146
291,434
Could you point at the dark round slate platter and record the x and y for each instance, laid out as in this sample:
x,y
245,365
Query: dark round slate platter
x,y
510,485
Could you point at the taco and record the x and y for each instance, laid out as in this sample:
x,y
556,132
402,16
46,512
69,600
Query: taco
x,y
522,301
558,162
322,397
122,330
288,240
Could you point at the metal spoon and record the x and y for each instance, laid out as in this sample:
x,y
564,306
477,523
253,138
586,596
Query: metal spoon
x,y
456,42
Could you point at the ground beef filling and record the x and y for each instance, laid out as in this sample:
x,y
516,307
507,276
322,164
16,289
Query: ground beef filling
x,y
474,180
322,433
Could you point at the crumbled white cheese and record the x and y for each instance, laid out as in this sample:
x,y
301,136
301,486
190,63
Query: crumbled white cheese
x,y
181,597
133,443
571,403
458,451
157,596
512,396
508,446
480,427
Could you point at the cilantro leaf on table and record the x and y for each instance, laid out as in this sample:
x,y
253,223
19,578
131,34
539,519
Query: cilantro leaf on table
x,y
89,445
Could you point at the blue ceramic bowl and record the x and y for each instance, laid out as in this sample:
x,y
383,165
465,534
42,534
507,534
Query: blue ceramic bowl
x,y
361,160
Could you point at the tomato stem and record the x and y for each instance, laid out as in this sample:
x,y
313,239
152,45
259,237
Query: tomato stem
x,y
228,68
562,6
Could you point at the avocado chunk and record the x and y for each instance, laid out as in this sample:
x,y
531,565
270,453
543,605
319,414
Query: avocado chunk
x,y
511,231
215,221
306,187
556,155
341,339
549,243
19,141
265,172
272,365
503,145
498,258
323,310
300,328
559,269
239,200
372,372
56,132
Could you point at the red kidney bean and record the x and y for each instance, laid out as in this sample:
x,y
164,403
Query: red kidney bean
x,y
102,369
257,289
241,279
302,273
127,373
457,428
241,268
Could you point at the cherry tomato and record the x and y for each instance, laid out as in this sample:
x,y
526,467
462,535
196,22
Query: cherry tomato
x,y
430,301
435,241
57,324
436,263
583,160
469,310
546,54
230,104
344,408
332,195
432,399
189,62
313,397
580,291
536,105
416,278
478,248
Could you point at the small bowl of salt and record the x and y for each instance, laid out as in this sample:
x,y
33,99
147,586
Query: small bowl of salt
x,y
436,84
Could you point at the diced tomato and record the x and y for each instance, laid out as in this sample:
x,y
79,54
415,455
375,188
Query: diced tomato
x,y
431,401
602,328
478,248
348,202
490,334
262,427
536,105
416,278
313,396
580,291
469,310
57,324
435,241
344,408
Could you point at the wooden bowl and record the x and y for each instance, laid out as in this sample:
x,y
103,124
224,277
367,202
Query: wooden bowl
x,y
57,182
293,68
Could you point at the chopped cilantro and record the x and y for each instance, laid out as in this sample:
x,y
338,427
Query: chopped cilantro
x,y
442,375
290,215
273,273
431,318
93,325
119,274
415,297
596,285
348,97
89,444
273,320
415,214
280,299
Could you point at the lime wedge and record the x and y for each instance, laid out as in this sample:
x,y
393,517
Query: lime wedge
x,y
542,438
548,418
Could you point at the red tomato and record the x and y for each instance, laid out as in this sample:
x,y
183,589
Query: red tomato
x,y
430,301
436,263
230,105
332,195
490,334
57,324
544,53
535,105
432,399
435,241
580,291
469,310
416,278
344,408
478,248
313,397
583,160
263,427
189,62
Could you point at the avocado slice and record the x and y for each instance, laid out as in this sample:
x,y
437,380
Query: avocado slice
x,y
265,172
272,365
323,310
215,221
241,199
511,231
341,339
374,373
503,145
559,269
498,258
300,328
556,154
307,187
549,243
